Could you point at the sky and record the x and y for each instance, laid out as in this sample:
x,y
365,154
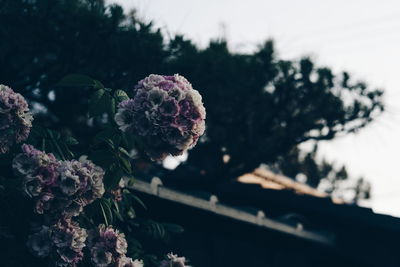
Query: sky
x,y
359,36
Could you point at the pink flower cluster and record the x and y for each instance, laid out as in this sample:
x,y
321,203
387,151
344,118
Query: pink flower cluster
x,y
108,248
166,114
58,187
15,118
63,241
174,261
62,189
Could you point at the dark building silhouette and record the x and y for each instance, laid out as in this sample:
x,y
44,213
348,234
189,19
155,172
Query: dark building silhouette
x,y
248,225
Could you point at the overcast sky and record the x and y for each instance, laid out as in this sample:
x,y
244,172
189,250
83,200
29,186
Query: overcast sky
x,y
360,36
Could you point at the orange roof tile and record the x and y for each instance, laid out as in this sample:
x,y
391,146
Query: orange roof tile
x,y
270,180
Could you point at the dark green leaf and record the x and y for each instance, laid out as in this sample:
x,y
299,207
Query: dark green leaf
x,y
69,140
112,106
113,177
67,151
131,213
126,165
124,152
117,212
160,230
95,103
155,229
97,84
102,157
138,200
101,102
121,95
174,228
106,211
107,135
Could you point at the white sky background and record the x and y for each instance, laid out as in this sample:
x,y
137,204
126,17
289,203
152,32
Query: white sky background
x,y
360,36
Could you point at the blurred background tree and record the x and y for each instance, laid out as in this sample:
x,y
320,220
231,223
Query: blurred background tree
x,y
259,107
305,167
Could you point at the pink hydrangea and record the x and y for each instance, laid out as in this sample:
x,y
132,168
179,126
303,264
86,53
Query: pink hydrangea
x,y
15,119
129,262
69,240
58,187
107,246
81,180
38,170
166,114
63,241
174,261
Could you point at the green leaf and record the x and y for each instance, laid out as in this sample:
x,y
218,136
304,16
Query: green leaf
x,y
113,177
117,212
101,102
124,152
126,165
54,139
40,131
121,95
160,230
112,106
138,200
106,211
96,96
69,140
97,84
102,157
155,229
67,151
130,181
131,213
108,135
76,80
43,144
94,101
173,228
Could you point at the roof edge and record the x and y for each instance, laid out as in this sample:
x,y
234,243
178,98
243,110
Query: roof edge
x,y
156,188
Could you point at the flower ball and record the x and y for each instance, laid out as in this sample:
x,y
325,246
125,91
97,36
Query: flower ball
x,y
15,118
165,114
